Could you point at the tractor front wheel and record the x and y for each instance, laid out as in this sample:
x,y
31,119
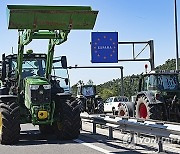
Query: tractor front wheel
x,y
100,106
9,122
69,123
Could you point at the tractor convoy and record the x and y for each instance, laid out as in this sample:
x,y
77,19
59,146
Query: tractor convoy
x,y
35,87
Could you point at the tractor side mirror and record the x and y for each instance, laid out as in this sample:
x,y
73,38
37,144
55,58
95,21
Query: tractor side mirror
x,y
66,81
64,62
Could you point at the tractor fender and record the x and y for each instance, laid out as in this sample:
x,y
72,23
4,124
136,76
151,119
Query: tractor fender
x,y
62,96
6,98
150,96
4,91
80,96
98,97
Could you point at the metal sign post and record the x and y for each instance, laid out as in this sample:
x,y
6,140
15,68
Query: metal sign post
x,y
176,31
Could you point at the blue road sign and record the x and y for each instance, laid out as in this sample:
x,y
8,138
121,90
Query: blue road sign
x,y
104,47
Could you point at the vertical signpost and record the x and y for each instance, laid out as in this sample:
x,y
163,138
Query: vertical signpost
x,y
176,31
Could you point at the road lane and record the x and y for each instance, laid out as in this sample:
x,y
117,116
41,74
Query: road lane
x,y
32,142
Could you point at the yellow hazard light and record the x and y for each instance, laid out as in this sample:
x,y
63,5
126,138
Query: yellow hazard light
x,y
42,114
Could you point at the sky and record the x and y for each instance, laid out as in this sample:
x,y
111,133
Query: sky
x,y
134,20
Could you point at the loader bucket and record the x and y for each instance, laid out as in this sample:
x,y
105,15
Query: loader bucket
x,y
50,17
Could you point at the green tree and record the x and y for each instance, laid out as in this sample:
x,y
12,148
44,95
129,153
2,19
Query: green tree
x,y
105,93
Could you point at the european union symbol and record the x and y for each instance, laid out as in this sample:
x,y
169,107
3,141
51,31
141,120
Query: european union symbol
x,y
104,47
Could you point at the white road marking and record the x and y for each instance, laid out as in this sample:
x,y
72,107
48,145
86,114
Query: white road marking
x,y
93,147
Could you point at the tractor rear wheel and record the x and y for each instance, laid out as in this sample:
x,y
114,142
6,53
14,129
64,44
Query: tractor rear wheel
x,y
100,106
9,122
69,124
145,110
46,129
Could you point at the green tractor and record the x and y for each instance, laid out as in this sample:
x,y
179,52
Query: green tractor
x,y
35,87
90,101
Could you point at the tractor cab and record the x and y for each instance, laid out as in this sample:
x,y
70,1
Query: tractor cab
x,y
159,81
33,66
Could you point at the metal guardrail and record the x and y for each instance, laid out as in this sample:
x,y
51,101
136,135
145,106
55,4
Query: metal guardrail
x,y
156,128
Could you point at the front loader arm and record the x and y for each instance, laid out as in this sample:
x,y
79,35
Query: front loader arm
x,y
26,36
62,37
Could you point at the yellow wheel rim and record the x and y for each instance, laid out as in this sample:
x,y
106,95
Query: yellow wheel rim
x,y
0,123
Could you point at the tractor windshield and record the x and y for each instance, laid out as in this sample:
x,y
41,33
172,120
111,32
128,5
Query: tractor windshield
x,y
88,91
31,67
167,82
161,82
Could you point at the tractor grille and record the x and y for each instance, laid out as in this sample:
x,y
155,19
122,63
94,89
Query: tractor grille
x,y
41,95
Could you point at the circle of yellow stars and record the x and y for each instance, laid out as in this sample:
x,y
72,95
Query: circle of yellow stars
x,y
95,47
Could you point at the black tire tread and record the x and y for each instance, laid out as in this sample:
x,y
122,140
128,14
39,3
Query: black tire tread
x,y
100,106
10,123
46,129
69,119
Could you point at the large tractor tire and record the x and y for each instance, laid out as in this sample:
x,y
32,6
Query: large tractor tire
x,y
9,123
46,129
100,106
69,124
126,109
144,109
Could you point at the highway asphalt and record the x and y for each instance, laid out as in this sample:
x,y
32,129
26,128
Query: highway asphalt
x,y
32,142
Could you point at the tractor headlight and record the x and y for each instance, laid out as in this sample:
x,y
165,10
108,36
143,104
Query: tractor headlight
x,y
48,86
34,87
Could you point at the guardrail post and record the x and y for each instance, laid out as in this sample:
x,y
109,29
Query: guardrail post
x,y
133,138
81,125
160,144
110,133
94,128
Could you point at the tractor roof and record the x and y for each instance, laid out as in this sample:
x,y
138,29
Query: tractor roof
x,y
161,72
29,56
